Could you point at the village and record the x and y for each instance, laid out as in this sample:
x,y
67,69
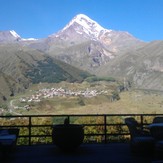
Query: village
x,y
52,92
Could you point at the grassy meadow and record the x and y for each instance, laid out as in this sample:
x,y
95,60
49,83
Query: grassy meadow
x,y
131,101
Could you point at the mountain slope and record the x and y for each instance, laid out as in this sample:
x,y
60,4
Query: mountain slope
x,y
83,43
9,36
8,86
21,66
144,66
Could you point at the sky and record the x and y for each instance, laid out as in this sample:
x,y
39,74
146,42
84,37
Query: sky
x,y
41,18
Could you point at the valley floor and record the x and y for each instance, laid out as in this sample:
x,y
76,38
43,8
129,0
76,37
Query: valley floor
x,y
130,102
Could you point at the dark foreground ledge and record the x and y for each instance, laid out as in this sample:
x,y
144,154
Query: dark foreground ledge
x,y
86,153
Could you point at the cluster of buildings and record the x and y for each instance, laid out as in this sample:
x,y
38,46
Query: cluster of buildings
x,y
52,92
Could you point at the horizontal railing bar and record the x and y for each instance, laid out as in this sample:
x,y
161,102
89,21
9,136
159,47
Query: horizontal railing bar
x,y
94,134
24,136
26,126
101,124
79,115
108,134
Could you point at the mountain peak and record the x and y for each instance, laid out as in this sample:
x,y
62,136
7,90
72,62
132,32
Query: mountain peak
x,y
82,24
82,27
9,36
84,21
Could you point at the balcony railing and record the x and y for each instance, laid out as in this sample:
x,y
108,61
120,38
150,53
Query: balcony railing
x,y
101,128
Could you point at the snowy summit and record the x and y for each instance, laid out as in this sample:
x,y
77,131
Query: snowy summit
x,y
88,25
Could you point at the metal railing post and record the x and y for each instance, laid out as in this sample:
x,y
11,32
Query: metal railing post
x,y
105,129
30,124
141,121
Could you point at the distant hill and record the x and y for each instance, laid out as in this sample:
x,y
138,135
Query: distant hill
x,y
143,66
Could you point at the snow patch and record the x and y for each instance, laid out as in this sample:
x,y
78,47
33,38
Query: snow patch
x,y
29,39
14,34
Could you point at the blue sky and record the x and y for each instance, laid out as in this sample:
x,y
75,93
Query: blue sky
x,y
40,18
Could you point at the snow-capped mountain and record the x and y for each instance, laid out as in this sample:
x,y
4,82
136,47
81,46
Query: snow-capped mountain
x,y
12,36
103,44
81,38
79,29
9,36
82,28
83,24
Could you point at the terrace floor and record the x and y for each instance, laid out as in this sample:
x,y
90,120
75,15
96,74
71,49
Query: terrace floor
x,y
86,153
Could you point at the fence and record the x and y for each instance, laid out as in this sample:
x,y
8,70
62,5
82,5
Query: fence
x,y
103,128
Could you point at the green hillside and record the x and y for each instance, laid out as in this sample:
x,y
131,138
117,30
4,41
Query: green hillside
x,y
54,71
21,66
143,67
